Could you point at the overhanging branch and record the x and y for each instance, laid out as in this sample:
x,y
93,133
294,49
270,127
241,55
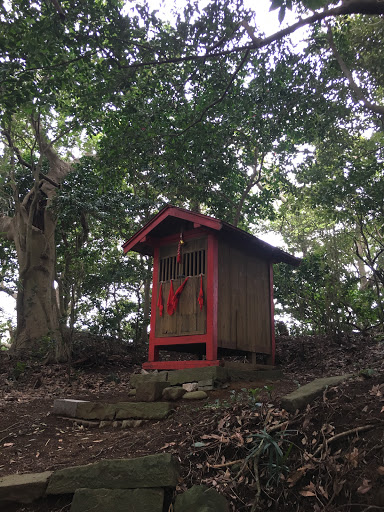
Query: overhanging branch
x,y
358,92
373,7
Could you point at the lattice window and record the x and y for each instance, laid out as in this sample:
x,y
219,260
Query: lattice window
x,y
193,264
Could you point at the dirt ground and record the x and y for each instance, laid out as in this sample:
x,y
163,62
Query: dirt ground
x,y
331,458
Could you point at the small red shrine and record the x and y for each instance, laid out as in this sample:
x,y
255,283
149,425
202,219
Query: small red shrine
x,y
212,288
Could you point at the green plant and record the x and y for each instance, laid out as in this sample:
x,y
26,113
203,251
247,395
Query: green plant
x,y
18,370
268,447
113,377
269,389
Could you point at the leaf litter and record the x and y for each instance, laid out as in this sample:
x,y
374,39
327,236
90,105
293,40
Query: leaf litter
x,y
329,456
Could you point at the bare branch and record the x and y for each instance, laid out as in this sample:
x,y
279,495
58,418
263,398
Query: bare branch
x,y
378,109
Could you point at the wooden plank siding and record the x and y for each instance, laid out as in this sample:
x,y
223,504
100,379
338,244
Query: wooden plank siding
x,y
244,312
188,319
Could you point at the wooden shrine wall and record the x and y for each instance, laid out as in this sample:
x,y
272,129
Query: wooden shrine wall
x,y
188,319
244,308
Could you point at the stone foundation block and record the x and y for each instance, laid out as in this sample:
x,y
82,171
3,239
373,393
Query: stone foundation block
x,y
217,373
118,500
150,391
137,379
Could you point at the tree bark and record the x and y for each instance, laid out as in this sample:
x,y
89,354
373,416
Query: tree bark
x,y
32,230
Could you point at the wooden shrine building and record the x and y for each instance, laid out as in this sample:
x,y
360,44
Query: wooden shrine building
x,y
212,288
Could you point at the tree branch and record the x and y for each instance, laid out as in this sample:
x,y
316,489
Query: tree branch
x,y
6,228
8,291
58,168
15,149
378,109
374,7
220,98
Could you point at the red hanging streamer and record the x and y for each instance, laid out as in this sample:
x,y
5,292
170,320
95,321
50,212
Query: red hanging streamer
x,y
176,297
200,300
160,304
171,295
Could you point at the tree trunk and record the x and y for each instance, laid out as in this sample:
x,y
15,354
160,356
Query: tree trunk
x,y
38,325
32,230
146,310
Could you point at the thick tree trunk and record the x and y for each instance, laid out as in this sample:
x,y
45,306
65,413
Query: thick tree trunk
x,y
32,230
38,327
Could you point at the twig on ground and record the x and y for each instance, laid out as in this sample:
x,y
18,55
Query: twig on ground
x,y
342,434
225,464
10,426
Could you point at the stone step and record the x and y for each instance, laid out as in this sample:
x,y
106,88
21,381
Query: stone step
x,y
118,500
160,470
110,412
24,488
304,395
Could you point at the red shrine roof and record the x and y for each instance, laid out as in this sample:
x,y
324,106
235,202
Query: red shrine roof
x,y
172,219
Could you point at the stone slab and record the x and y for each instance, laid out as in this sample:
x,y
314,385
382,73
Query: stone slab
x,y
24,488
67,407
217,373
96,411
137,379
205,383
160,470
150,391
143,410
200,498
118,500
214,373
306,394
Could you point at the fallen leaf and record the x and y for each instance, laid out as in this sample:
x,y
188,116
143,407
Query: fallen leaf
x,y
307,494
353,457
364,487
199,444
375,391
7,445
380,470
323,492
37,455
167,445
